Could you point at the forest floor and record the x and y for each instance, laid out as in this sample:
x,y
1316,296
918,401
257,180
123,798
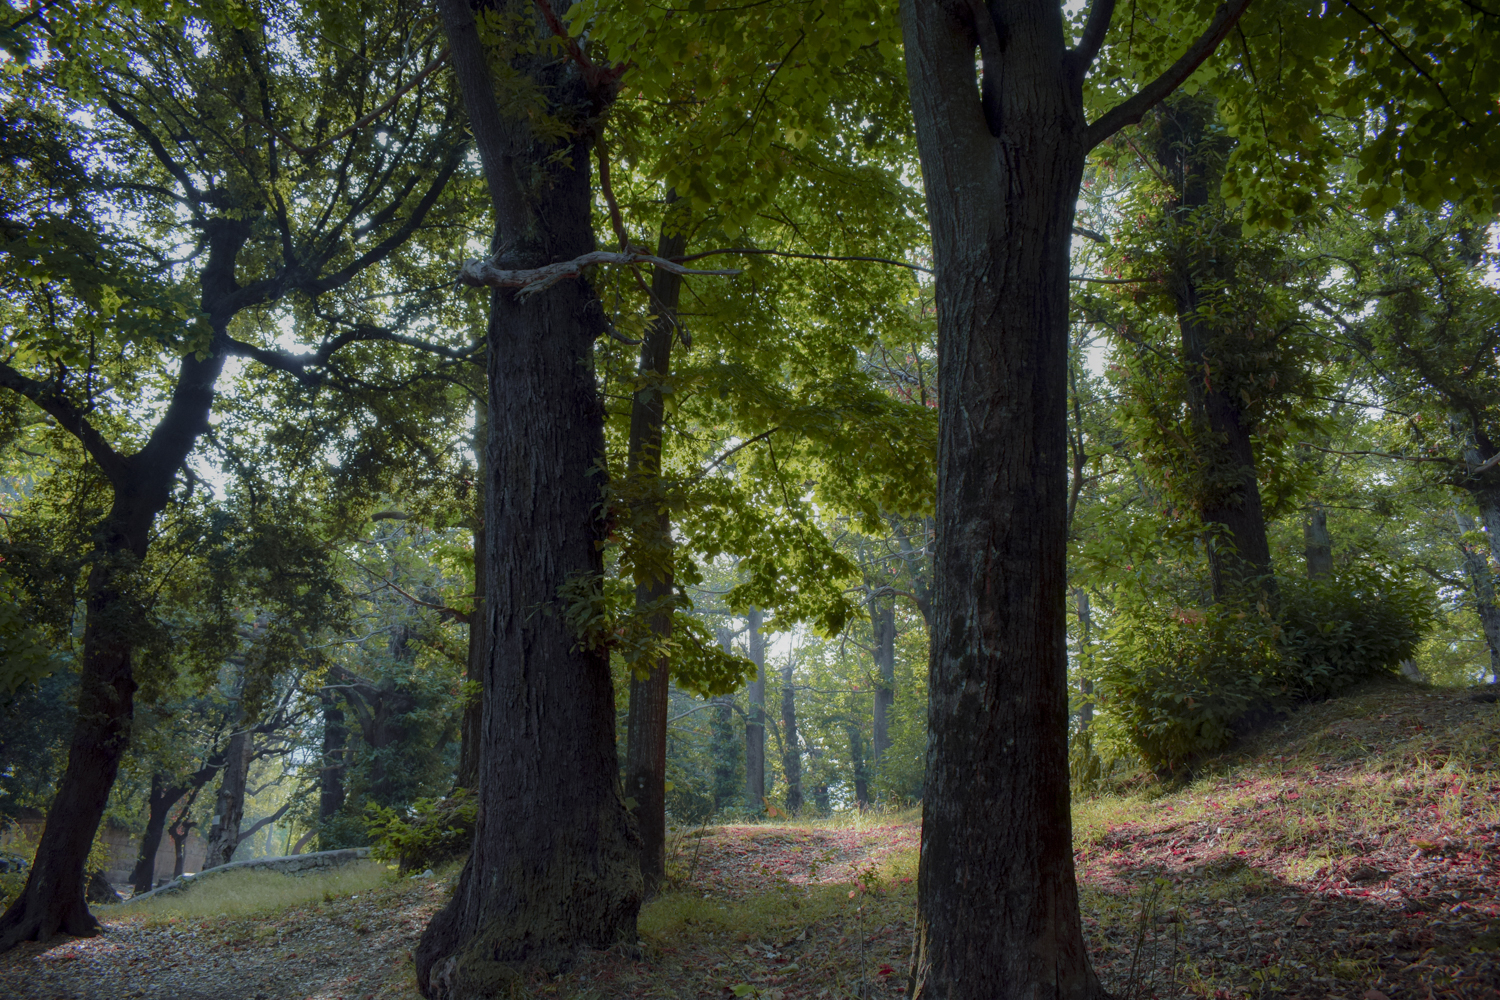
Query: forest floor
x,y
1350,851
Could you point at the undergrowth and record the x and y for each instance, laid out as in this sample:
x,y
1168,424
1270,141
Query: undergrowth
x,y
246,893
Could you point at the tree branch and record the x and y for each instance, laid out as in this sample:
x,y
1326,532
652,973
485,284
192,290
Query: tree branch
x,y
537,279
1386,454
1101,12
51,400
802,256
1133,108
256,826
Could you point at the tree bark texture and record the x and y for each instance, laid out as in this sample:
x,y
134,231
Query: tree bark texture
x,y
646,726
1318,544
997,904
229,807
555,859
791,755
755,717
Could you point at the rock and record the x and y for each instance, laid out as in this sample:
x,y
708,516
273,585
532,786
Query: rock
x,y
100,891
293,864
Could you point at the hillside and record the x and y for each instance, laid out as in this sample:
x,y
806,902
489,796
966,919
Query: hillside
x,y
1351,850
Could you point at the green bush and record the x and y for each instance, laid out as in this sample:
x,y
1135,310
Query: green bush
x,y
1173,681
433,832
1341,630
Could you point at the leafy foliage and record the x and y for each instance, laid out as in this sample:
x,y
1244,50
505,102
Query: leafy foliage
x,y
428,835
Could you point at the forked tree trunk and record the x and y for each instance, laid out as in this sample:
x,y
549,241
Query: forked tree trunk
x,y
555,860
53,900
646,727
755,717
997,902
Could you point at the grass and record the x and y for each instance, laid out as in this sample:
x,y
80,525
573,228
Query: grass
x,y
248,893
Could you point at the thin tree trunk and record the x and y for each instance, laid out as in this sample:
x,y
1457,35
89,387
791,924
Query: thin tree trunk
x,y
1086,671
791,753
883,618
229,808
724,743
755,718
555,860
1482,587
646,727
473,719
1318,543
857,759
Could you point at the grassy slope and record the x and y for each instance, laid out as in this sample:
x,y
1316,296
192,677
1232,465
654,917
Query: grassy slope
x,y
1349,851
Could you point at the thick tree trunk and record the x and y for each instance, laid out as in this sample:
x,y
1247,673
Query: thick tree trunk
x,y
755,718
646,727
883,619
1318,544
331,771
229,807
997,904
791,754
473,719
555,860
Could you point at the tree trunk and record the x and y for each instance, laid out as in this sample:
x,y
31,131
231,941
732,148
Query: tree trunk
x,y
857,759
1319,544
646,728
159,802
755,719
1086,669
53,900
1482,586
555,861
468,753
229,808
331,772
791,753
883,618
997,901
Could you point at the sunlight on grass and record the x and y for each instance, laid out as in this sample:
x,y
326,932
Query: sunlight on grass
x,y
245,893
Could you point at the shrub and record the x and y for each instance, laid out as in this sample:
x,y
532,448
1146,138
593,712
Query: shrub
x,y
1173,681
433,832
1341,630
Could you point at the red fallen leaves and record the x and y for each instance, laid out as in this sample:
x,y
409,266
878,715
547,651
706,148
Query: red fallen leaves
x,y
885,970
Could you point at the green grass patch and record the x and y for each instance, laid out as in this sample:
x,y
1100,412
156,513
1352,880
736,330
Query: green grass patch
x,y
246,893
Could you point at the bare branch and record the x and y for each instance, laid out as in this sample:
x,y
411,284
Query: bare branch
x,y
1386,454
50,398
537,279
1092,40
803,256
1133,108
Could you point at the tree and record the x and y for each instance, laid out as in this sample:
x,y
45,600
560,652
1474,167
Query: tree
x,y
267,204
554,864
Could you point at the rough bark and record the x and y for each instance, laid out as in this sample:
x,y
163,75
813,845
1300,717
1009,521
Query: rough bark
x,y
1318,544
791,753
883,619
646,726
555,859
755,718
997,909
229,807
